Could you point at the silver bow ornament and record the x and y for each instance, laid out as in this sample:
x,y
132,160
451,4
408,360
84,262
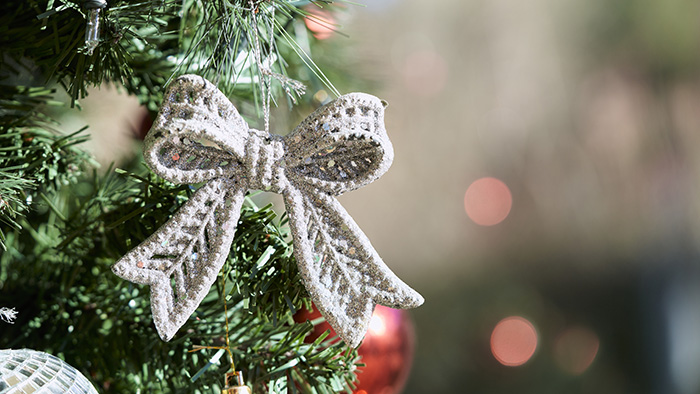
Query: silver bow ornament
x,y
199,136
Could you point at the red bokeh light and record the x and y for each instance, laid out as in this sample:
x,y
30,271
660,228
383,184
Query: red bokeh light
x,y
320,22
513,341
488,201
575,349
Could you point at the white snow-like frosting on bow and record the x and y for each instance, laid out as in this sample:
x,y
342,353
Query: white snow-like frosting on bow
x,y
199,136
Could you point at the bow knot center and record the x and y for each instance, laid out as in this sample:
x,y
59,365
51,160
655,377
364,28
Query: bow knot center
x,y
264,159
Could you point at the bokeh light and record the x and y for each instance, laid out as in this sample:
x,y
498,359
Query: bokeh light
x,y
575,349
320,22
488,201
321,96
513,341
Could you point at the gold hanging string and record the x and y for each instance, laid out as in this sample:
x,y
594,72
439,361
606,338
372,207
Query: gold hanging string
x,y
228,343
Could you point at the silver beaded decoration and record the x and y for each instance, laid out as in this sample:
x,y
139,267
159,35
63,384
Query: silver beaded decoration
x,y
199,136
29,371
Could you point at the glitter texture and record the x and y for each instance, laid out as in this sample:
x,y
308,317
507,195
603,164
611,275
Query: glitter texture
x,y
340,147
29,371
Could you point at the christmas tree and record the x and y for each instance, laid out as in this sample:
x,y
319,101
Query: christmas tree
x,y
64,223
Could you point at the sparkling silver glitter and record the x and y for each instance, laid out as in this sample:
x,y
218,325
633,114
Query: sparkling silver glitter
x,y
342,272
29,371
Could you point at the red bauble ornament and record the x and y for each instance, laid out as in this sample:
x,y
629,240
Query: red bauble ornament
x,y
144,121
387,350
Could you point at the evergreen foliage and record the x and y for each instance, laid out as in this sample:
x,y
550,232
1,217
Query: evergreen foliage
x,y
57,274
62,224
146,41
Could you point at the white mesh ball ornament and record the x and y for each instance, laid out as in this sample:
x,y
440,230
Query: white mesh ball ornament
x,y
199,136
28,371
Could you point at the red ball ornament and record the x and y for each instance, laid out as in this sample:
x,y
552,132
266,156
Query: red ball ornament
x,y
387,350
144,121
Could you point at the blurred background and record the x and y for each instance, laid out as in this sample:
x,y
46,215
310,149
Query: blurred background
x,y
543,196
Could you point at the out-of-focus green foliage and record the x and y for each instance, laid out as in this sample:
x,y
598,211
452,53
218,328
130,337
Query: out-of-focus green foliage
x,y
659,37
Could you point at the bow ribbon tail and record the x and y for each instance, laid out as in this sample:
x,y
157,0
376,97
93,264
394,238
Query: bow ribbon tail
x,y
342,272
182,259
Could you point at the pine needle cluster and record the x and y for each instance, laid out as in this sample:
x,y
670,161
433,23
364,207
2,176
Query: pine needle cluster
x,y
146,42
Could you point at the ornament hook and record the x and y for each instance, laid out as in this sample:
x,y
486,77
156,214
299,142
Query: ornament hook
x,y
235,384
92,31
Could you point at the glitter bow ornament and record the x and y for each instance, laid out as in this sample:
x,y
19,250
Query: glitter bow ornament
x,y
199,136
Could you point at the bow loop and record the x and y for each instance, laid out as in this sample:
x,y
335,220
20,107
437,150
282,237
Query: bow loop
x,y
198,134
341,146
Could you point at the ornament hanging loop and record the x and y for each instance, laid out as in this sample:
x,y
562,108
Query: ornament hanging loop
x,y
92,31
265,67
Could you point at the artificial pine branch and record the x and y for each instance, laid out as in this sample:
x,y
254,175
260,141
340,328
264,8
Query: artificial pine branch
x,y
34,162
57,275
63,228
146,42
